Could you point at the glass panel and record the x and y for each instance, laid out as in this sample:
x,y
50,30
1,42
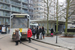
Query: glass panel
x,y
19,23
26,1
1,6
6,13
1,13
25,6
1,0
7,7
15,3
16,9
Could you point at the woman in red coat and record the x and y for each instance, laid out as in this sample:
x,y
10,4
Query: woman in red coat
x,y
29,34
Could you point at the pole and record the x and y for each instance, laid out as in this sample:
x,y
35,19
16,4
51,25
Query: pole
x,y
57,20
56,38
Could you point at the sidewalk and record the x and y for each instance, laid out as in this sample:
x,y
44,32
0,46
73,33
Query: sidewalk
x,y
2,35
62,42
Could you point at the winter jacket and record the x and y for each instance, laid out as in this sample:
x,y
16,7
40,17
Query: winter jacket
x,y
33,30
17,36
29,33
36,30
43,32
40,30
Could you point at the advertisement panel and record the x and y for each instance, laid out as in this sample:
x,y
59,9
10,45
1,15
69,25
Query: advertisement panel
x,y
3,29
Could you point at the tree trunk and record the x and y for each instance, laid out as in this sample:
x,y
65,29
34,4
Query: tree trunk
x,y
47,17
57,16
67,11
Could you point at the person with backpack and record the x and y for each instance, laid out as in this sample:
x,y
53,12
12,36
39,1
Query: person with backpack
x,y
34,32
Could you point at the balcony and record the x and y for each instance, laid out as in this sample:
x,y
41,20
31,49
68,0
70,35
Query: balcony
x,y
25,12
16,4
4,3
24,6
4,7
30,12
24,1
31,8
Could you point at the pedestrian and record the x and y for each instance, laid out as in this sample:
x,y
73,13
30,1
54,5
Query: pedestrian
x,y
37,33
52,32
33,31
20,36
16,36
40,32
43,32
29,34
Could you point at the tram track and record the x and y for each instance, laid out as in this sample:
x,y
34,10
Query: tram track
x,y
29,46
42,46
35,44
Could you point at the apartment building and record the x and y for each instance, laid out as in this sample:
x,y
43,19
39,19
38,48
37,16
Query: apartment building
x,y
8,7
41,15
38,12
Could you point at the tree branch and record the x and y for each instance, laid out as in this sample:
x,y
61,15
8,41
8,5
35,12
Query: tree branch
x,y
71,13
45,2
62,10
50,3
72,5
71,1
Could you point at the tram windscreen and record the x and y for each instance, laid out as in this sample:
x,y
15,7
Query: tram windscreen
x,y
19,22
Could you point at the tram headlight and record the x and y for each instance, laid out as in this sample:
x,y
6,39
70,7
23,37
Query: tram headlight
x,y
13,33
25,33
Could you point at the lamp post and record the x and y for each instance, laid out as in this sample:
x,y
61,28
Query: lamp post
x,y
57,20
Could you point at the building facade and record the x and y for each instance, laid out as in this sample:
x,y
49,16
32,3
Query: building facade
x,y
38,12
52,18
8,7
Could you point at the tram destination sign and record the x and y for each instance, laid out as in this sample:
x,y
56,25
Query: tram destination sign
x,y
20,16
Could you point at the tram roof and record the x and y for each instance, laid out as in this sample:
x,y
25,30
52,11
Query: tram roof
x,y
20,14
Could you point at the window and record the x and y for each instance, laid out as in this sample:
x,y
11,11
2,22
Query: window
x,y
1,6
25,6
24,11
16,9
1,0
15,3
1,13
7,1
6,7
37,8
25,1
5,13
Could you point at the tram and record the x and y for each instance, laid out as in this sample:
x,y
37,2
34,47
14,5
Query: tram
x,y
21,22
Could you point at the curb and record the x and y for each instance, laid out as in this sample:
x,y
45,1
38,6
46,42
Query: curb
x,y
50,43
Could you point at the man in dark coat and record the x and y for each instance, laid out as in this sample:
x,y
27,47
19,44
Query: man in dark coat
x,y
37,34
40,31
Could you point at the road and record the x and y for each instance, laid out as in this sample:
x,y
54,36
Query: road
x,y
7,44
